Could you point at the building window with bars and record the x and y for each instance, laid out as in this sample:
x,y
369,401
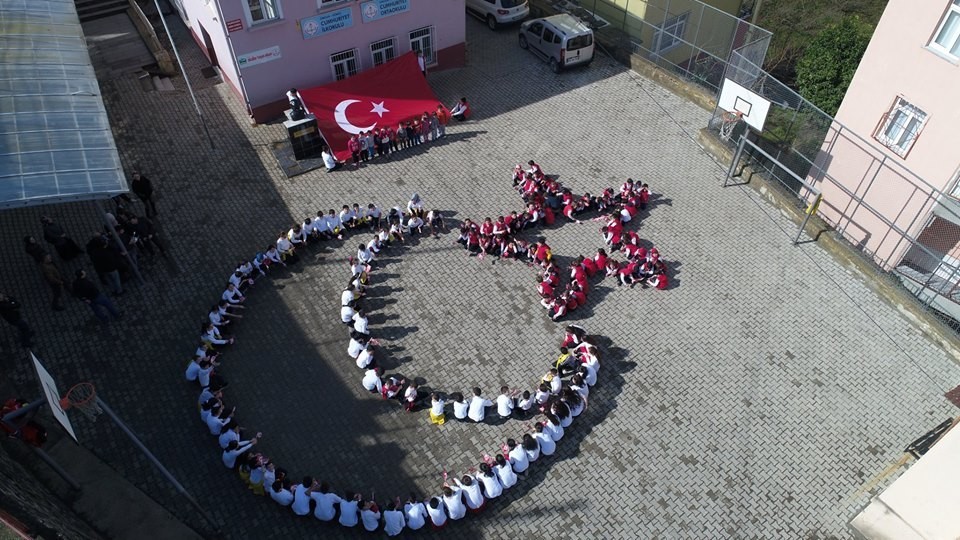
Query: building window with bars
x,y
260,11
901,126
321,4
382,51
670,34
947,38
344,64
421,40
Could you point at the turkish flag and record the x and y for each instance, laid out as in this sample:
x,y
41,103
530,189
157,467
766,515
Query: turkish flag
x,y
377,98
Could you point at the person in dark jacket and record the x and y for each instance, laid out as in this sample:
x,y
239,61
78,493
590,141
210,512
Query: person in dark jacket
x,y
85,290
10,312
34,249
143,189
54,234
106,261
51,274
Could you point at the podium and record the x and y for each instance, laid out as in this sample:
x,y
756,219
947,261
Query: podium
x,y
304,136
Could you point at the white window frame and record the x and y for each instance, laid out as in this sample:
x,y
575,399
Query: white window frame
x,y
392,41
952,48
264,4
344,58
416,43
324,4
907,120
670,34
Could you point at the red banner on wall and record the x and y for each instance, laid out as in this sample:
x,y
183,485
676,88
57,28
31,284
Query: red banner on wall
x,y
377,98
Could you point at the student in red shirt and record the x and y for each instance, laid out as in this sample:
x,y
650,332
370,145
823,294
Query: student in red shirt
x,y
354,146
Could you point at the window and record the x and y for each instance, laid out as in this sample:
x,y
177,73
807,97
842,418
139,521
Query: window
x,y
382,51
579,42
548,36
900,127
536,29
947,38
344,64
321,4
670,34
422,40
261,11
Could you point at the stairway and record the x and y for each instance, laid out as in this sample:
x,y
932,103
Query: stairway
x,y
89,10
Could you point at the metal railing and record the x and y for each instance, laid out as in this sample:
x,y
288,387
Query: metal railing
x,y
918,241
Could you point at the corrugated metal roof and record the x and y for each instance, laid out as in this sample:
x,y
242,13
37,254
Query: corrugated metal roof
x,y
55,138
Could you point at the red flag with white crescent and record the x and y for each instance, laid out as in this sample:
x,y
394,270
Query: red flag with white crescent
x,y
380,97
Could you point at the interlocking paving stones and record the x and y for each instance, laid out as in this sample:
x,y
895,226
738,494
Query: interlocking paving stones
x,y
751,399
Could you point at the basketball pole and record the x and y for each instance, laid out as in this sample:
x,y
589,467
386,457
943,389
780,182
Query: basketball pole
x,y
153,459
45,457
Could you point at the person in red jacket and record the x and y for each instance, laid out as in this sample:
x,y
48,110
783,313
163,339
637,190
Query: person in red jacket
x,y
543,254
354,146
461,111
544,289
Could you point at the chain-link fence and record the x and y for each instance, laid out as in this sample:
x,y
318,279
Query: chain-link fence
x,y
907,227
686,37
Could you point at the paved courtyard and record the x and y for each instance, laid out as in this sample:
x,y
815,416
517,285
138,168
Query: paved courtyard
x,y
754,398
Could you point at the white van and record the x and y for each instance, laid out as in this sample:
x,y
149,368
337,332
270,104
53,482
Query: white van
x,y
562,40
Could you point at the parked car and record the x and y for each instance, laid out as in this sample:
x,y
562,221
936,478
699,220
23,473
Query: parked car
x,y
498,12
562,40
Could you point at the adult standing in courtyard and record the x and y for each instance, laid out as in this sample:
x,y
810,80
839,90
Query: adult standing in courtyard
x,y
53,233
51,274
91,295
10,312
142,187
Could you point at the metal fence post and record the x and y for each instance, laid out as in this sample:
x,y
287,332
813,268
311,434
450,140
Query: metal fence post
x,y
811,210
736,159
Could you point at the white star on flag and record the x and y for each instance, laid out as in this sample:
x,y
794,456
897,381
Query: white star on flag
x,y
379,108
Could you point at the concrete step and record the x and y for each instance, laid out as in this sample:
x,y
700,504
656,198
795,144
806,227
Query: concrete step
x,y
163,84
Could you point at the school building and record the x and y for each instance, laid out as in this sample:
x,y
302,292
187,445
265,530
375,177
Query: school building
x,y
262,48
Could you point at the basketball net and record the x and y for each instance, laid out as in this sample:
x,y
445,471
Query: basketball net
x,y
728,122
82,397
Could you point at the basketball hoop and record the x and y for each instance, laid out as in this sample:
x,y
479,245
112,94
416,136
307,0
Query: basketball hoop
x,y
729,121
82,397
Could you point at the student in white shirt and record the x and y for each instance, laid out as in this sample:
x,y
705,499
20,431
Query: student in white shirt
x,y
365,359
273,255
504,472
216,317
364,254
361,324
562,412
415,206
437,416
478,406
415,513
326,500
552,426
371,380
370,516
297,236
217,419
232,294
334,224
234,450
525,404
284,246
280,494
302,501
505,403
531,447
574,401
374,215
547,445
415,225
578,385
193,368
589,374
230,432
347,313
437,512
453,500
471,492
393,521
489,481
349,509
542,395
348,295
347,217
518,457
460,407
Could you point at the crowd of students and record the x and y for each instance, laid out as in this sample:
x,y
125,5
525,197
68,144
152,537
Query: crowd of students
x,y
544,199
382,142
555,402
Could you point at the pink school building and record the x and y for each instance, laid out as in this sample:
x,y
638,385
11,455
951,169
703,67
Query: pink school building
x,y
264,47
904,101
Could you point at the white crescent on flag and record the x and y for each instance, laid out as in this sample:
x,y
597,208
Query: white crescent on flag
x,y
340,115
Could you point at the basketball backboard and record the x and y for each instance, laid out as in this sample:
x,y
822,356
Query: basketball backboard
x,y
753,107
53,396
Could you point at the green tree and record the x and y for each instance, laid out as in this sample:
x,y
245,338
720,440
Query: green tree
x,y
827,66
